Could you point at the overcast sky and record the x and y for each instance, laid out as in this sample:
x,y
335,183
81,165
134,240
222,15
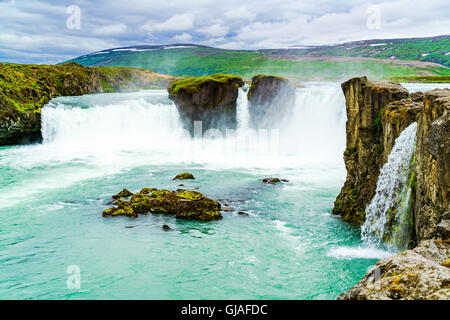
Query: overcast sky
x,y
52,31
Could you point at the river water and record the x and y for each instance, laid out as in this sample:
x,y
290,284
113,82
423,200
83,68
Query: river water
x,y
288,247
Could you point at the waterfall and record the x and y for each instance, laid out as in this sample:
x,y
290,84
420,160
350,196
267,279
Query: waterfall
x,y
242,112
110,126
388,216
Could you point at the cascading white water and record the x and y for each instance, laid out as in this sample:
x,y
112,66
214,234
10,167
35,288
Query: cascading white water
x,y
148,122
388,222
242,112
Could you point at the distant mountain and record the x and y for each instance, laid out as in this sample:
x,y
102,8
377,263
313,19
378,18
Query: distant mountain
x,y
433,49
379,59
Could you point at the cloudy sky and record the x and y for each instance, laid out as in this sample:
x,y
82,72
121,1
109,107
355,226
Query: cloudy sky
x,y
53,31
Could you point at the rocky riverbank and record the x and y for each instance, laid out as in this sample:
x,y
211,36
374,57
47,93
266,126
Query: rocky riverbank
x,y
25,89
377,112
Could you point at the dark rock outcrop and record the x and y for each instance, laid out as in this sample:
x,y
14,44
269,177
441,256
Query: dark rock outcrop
x,y
184,204
421,273
432,163
365,103
418,274
270,99
25,89
273,180
210,99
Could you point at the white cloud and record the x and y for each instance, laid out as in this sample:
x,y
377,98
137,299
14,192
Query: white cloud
x,y
182,37
215,30
37,28
111,29
240,13
178,22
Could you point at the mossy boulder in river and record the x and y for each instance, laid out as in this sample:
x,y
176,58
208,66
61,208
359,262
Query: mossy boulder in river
x,y
183,204
271,98
183,176
210,99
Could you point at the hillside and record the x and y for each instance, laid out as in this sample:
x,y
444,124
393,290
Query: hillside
x,y
378,59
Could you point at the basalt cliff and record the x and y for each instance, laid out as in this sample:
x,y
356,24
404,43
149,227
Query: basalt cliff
x,y
25,89
377,112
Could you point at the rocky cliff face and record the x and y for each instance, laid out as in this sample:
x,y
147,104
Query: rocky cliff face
x,y
432,163
364,155
25,89
419,274
210,99
270,98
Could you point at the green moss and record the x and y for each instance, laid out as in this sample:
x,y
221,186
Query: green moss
x,y
122,194
160,193
377,122
193,84
413,177
190,195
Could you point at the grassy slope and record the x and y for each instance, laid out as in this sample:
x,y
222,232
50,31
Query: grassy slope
x,y
204,61
420,49
27,87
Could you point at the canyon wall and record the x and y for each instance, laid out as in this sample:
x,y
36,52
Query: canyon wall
x,y
377,113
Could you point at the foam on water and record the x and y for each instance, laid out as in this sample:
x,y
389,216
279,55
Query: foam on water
x,y
359,253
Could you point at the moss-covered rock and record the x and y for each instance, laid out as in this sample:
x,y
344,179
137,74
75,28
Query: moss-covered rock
x,y
183,204
183,176
210,99
125,193
26,88
418,274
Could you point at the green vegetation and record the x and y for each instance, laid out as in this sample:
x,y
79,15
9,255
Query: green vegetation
x,y
320,63
423,79
27,87
192,84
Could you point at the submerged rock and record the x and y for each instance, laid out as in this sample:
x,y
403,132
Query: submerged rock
x,y
182,203
183,176
210,99
273,180
418,274
166,227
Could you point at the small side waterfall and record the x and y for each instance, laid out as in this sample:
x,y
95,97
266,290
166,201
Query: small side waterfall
x,y
242,112
388,216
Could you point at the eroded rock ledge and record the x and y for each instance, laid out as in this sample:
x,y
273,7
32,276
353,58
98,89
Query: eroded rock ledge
x,y
377,113
366,152
25,89
269,97
210,99
419,274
